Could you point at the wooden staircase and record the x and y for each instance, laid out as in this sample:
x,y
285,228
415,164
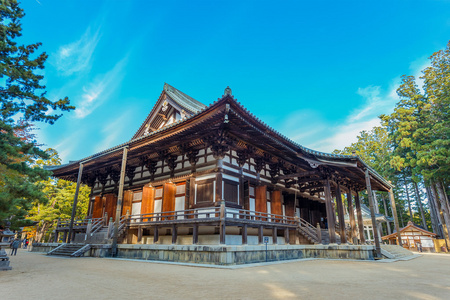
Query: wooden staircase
x,y
70,250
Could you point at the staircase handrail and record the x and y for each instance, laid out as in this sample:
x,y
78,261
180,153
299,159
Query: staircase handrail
x,y
53,250
97,224
308,229
81,251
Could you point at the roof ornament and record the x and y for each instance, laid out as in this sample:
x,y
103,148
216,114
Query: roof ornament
x,y
227,91
164,106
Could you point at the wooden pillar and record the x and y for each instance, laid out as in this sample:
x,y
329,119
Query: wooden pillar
x,y
260,235
286,236
340,208
155,234
75,201
372,214
330,212
274,236
244,234
222,229
174,234
362,240
119,201
139,238
56,237
195,234
218,190
351,214
394,213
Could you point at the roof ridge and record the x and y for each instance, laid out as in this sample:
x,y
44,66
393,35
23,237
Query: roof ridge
x,y
172,90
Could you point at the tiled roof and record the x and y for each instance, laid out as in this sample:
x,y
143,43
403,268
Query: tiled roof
x,y
183,100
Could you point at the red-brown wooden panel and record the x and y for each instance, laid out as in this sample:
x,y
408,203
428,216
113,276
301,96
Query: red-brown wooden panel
x,y
110,205
98,207
148,200
275,207
261,198
127,200
168,203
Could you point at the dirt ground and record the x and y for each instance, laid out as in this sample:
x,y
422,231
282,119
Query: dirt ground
x,y
36,276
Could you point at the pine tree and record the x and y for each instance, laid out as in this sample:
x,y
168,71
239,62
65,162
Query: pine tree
x,y
22,96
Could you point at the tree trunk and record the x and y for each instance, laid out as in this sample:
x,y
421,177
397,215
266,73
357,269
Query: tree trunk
x,y
41,232
419,202
409,203
435,224
386,213
443,209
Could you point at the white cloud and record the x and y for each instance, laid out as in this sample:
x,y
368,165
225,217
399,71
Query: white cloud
x,y
375,102
112,131
77,56
97,92
66,146
344,135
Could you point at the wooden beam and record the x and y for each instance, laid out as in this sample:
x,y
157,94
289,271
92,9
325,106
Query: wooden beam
x,y
299,175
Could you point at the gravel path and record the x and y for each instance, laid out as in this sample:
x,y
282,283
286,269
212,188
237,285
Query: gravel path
x,y
36,276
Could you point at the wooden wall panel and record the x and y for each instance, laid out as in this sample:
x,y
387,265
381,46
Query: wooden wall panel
x,y
276,207
148,200
127,202
168,203
261,198
110,205
98,207
289,201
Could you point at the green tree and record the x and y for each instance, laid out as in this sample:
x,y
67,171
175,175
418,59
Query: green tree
x,y
59,194
22,96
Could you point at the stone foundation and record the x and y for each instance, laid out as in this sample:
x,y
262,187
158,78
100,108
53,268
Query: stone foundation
x,y
228,255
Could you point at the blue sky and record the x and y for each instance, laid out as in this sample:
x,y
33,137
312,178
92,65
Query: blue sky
x,y
317,71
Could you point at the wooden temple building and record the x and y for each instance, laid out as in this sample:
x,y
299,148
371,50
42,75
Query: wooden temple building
x,y
414,238
217,175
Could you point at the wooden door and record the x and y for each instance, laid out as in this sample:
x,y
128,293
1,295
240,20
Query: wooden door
x,y
275,207
127,202
169,198
148,200
261,199
111,205
98,207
